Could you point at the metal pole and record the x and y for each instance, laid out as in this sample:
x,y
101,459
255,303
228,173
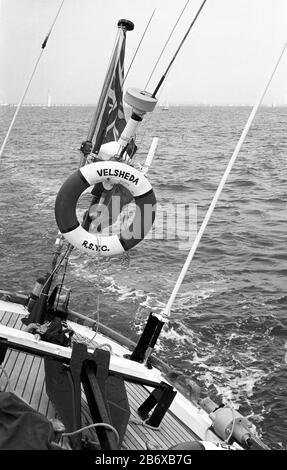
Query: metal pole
x,y
124,25
193,249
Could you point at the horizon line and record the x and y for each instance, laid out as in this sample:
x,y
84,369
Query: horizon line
x,y
175,105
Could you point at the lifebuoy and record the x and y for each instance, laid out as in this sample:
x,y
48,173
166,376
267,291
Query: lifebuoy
x,y
115,173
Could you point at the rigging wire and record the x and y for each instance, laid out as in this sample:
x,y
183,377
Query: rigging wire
x,y
141,40
164,76
178,49
99,281
63,279
58,265
29,81
166,43
167,310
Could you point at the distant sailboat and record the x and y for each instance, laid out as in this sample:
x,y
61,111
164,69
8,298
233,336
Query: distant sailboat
x,y
164,106
49,99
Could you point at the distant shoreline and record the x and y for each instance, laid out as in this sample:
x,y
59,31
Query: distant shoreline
x,y
191,105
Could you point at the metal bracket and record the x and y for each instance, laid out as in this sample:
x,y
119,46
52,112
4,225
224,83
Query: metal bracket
x,y
160,399
3,349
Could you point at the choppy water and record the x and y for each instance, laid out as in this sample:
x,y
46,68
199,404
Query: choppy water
x,y
228,327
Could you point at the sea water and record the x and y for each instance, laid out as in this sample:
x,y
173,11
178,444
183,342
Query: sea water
x,y
228,327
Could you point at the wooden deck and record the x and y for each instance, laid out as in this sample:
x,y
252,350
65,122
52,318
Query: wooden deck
x,y
27,378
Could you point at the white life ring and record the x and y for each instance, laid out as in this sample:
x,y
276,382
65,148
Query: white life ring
x,y
115,173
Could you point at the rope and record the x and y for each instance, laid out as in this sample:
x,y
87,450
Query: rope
x,y
143,423
97,321
106,346
95,425
233,424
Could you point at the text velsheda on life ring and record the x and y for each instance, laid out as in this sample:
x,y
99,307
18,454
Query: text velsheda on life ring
x,y
113,173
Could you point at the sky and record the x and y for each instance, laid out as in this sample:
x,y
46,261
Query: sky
x,y
225,60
